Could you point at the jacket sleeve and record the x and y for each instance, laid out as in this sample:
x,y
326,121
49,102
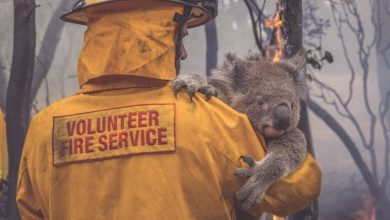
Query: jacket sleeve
x,y
238,138
293,193
26,199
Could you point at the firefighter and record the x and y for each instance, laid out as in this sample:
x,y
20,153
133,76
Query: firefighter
x,y
124,147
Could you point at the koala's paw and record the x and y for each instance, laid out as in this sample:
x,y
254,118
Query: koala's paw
x,y
253,191
209,91
193,83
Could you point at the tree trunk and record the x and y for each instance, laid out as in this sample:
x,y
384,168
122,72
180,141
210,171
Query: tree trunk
x,y
382,205
3,86
212,46
49,46
294,40
18,114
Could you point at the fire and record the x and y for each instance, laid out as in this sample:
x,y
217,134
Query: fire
x,y
276,24
277,218
367,211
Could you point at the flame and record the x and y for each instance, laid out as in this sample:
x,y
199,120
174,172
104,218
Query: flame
x,y
278,218
367,211
277,24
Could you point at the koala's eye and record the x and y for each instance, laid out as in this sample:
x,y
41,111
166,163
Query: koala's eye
x,y
260,102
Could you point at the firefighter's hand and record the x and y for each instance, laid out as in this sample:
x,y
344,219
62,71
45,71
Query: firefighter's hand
x,y
253,191
193,83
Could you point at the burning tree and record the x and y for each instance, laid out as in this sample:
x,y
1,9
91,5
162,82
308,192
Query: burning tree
x,y
336,109
276,38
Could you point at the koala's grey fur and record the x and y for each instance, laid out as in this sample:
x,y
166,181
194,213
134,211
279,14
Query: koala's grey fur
x,y
265,92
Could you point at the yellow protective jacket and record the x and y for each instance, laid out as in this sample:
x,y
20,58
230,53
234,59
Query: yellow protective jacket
x,y
126,148
3,149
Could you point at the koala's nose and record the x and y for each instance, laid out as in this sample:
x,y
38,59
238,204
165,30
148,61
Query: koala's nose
x,y
282,116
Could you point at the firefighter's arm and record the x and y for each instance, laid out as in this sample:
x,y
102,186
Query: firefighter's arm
x,y
292,193
236,138
288,195
25,197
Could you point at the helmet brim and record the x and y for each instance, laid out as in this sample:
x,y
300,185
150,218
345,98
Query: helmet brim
x,y
79,16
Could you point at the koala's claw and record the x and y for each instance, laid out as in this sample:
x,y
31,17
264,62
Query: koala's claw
x,y
246,172
243,172
177,86
209,91
193,84
248,160
192,89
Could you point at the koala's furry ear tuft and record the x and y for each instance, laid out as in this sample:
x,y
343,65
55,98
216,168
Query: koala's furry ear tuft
x,y
230,58
254,57
301,85
235,65
297,62
295,65
239,68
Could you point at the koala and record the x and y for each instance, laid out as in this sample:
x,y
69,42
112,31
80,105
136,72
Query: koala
x,y
269,94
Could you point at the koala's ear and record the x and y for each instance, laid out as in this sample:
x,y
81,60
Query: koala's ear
x,y
301,85
234,65
230,59
253,57
297,62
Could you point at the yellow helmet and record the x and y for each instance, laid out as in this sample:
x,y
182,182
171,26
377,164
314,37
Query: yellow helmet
x,y
201,11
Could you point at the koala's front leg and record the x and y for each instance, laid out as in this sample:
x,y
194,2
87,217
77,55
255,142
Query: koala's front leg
x,y
260,176
284,155
193,83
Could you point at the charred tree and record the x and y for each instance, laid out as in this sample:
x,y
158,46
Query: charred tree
x,y
293,19
19,92
3,86
212,46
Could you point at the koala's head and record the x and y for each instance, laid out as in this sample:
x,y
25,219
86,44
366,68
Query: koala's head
x,y
268,93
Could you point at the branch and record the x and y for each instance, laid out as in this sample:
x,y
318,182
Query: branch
x,y
348,142
384,107
364,54
254,28
327,88
345,107
47,92
335,14
46,54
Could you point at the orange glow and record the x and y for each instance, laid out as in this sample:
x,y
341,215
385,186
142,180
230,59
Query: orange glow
x,y
278,56
277,24
367,211
278,218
